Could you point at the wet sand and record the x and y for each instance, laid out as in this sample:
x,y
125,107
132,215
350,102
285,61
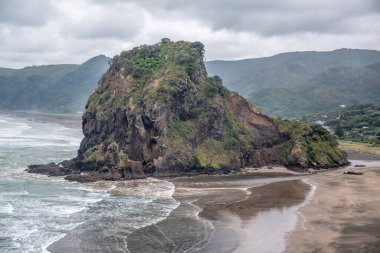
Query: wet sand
x,y
247,211
256,199
218,213
344,214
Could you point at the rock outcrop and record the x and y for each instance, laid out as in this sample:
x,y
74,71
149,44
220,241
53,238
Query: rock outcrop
x,y
156,112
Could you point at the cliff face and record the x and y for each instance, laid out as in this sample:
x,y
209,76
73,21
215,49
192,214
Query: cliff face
x,y
156,112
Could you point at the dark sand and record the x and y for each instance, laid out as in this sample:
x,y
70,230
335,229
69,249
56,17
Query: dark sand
x,y
257,199
231,203
216,213
344,214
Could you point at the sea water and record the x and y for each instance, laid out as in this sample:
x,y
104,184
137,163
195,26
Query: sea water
x,y
42,214
48,214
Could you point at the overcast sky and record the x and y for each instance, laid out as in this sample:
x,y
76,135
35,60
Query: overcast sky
x,y
72,31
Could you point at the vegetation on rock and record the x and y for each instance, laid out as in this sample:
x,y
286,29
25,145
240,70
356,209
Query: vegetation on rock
x,y
156,112
310,146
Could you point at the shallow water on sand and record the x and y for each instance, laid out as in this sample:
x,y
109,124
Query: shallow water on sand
x,y
368,164
269,228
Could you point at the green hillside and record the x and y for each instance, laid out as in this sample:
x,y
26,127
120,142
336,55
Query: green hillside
x,y
324,93
301,83
57,88
357,123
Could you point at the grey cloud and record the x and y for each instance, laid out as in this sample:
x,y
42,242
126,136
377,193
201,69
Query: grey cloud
x,y
267,17
72,31
26,13
107,21
376,5
103,28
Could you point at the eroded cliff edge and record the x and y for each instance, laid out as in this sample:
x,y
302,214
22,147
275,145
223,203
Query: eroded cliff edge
x,y
156,112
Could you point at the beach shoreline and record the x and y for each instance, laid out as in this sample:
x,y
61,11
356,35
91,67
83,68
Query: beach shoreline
x,y
349,227
342,216
244,206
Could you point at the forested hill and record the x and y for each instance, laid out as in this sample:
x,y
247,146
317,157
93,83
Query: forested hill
x,y
298,83
356,123
54,88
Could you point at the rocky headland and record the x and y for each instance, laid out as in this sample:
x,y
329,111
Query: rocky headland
x,y
155,112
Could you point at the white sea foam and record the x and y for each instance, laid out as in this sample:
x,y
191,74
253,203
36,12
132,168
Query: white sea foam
x,y
6,209
13,130
146,201
87,199
144,188
39,210
40,220
207,225
30,207
20,132
18,193
307,200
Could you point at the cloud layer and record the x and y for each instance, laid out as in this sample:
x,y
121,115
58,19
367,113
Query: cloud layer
x,y
71,31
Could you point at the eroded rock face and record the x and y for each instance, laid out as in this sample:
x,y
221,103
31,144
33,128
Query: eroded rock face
x,y
156,112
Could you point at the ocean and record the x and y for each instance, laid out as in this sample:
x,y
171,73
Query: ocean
x,y
48,214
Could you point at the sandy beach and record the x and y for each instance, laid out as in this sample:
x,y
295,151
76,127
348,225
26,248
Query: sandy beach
x,y
244,209
341,214
268,209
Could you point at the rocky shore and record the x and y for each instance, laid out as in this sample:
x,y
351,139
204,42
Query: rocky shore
x,y
155,112
341,215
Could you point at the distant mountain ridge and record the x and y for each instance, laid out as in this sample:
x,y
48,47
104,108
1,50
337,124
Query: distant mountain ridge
x,y
290,84
55,88
298,83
